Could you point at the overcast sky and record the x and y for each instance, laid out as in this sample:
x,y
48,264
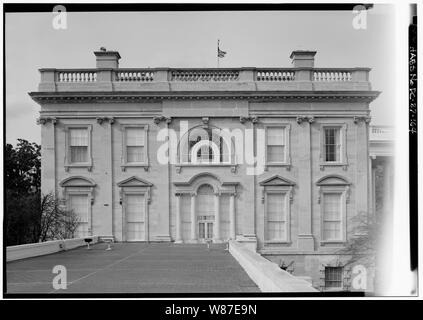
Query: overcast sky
x,y
188,39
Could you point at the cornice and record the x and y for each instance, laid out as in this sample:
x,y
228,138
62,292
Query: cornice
x,y
268,96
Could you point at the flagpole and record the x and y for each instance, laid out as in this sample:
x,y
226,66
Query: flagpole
x,y
218,53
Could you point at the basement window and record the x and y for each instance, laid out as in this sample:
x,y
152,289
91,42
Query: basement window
x,y
333,277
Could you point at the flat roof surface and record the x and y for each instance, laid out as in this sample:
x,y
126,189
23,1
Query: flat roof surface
x,y
133,268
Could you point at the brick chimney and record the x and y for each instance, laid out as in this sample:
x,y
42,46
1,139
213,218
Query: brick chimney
x,y
303,58
107,59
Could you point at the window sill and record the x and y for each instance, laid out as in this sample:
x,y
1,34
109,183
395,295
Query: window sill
x,y
86,165
199,164
135,165
344,165
340,289
339,242
278,164
277,242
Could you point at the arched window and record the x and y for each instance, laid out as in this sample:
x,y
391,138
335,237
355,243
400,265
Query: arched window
x,y
333,196
204,145
78,193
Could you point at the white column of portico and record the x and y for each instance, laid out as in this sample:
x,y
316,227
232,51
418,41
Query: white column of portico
x,y
178,218
216,227
232,223
193,220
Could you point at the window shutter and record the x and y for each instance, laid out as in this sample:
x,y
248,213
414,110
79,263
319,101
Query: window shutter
x,y
347,277
185,203
321,277
276,216
275,136
79,204
135,136
332,216
275,144
135,140
134,208
78,137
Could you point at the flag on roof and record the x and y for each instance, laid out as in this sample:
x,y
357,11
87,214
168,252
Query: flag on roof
x,y
220,53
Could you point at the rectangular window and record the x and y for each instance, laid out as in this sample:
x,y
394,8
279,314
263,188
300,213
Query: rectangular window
x,y
332,216
135,140
78,203
78,145
333,277
276,217
275,145
134,217
185,207
224,201
332,145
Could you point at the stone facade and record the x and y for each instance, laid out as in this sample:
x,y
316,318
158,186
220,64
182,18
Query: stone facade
x,y
220,199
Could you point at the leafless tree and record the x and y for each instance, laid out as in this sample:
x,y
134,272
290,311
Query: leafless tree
x,y
56,221
362,243
69,223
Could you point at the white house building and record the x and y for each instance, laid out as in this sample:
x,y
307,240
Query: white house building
x,y
276,157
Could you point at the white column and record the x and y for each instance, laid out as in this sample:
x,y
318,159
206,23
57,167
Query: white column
x,y
305,210
178,219
193,220
373,188
111,177
387,195
90,215
370,183
216,227
232,232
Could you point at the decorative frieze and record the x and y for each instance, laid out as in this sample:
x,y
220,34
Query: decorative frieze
x,y
158,119
365,119
205,120
62,97
100,120
44,120
301,119
253,119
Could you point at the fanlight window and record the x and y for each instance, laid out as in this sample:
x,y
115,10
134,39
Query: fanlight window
x,y
204,146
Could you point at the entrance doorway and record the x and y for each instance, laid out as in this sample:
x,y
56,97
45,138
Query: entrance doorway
x,y
205,212
135,217
205,230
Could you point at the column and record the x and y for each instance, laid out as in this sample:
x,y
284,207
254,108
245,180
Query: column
x,y
178,219
111,177
305,236
362,202
193,220
216,227
387,194
232,222
372,186
49,182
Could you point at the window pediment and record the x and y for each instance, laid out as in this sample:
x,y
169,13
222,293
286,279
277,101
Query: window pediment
x,y
77,185
198,180
277,183
134,182
135,185
77,181
277,180
333,180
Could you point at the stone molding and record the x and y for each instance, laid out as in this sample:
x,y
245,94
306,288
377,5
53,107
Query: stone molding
x,y
44,120
365,119
83,97
301,119
158,119
253,119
